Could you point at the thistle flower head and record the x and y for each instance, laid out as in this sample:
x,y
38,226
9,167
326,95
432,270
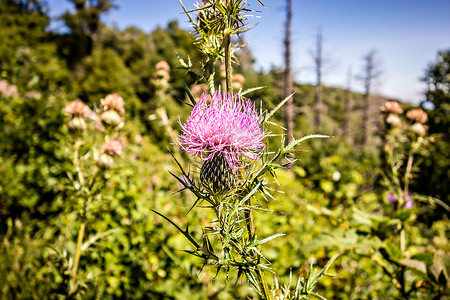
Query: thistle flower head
x,y
392,198
417,115
409,204
112,147
391,107
113,102
223,124
163,65
78,109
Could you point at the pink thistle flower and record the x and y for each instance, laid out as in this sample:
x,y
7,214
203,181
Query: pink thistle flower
x,y
113,102
223,124
417,115
112,147
409,204
392,198
163,65
78,109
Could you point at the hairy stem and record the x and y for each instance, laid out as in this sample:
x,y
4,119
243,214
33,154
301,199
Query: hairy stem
x,y
228,71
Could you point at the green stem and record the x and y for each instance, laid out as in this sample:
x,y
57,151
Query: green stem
x,y
76,162
211,78
403,239
408,172
228,71
77,257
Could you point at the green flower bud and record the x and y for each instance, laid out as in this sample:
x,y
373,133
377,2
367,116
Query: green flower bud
x,y
419,129
111,118
105,161
77,125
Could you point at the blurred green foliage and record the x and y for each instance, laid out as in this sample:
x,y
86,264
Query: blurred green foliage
x,y
333,200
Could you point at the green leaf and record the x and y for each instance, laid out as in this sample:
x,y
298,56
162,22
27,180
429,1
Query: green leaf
x,y
427,258
414,264
328,265
327,186
402,214
290,148
251,90
188,92
273,111
438,269
263,241
394,252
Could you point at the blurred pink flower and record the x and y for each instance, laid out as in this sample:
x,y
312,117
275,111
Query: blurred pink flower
x,y
392,198
113,102
409,204
391,107
417,115
100,127
163,65
78,109
112,147
224,124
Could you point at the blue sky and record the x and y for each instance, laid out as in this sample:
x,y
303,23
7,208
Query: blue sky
x,y
405,33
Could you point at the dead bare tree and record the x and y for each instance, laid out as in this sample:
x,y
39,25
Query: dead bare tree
x,y
318,95
371,73
347,105
288,85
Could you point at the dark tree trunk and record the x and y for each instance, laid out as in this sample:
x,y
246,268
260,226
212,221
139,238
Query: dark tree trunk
x,y
347,106
288,82
369,76
318,105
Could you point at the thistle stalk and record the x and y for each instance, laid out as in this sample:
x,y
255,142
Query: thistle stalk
x,y
408,172
76,262
228,70
77,257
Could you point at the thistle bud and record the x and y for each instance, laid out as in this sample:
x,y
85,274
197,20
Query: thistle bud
x,y
217,175
162,75
109,150
105,161
393,119
77,125
111,118
419,129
